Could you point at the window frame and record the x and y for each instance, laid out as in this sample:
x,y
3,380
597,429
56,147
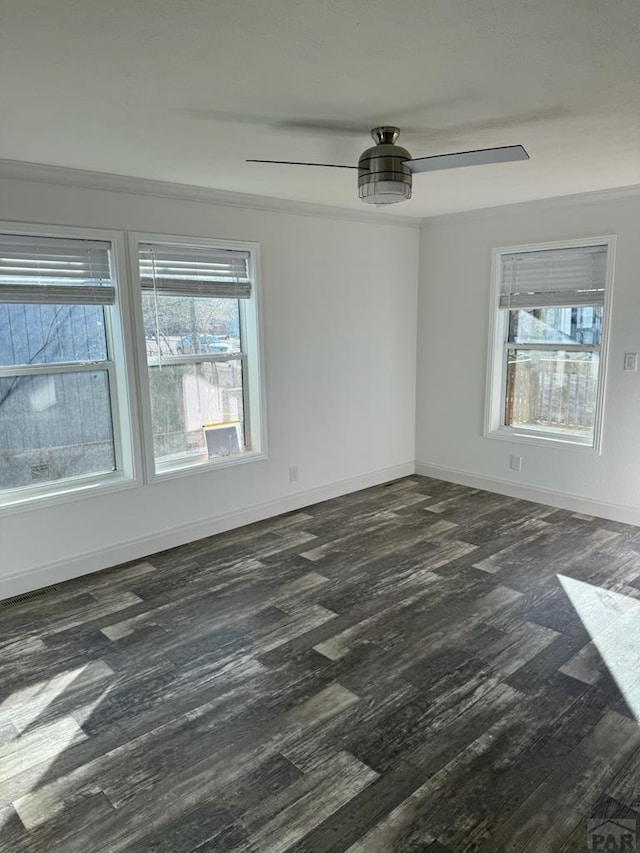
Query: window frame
x,y
117,365
254,397
496,380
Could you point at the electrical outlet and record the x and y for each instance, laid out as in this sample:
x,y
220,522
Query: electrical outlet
x,y
293,474
515,463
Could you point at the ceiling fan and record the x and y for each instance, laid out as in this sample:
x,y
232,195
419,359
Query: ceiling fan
x,y
385,171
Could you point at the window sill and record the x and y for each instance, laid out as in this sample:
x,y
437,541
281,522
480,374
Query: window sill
x,y
542,439
64,493
203,466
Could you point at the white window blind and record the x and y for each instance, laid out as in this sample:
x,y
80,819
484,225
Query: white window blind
x,y
550,277
55,270
200,271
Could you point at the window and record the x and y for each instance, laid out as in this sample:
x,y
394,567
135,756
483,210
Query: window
x,y
58,381
548,359
200,329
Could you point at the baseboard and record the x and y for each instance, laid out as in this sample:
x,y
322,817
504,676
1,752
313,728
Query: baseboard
x,y
135,549
562,500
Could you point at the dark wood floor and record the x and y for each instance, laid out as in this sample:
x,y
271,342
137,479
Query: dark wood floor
x,y
400,669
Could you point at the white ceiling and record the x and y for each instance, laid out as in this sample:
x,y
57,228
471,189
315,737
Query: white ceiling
x,y
185,90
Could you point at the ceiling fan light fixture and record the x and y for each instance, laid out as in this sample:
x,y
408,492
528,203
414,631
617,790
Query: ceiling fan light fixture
x,y
383,177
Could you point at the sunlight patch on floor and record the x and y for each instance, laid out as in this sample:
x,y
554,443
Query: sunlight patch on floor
x,y
43,800
45,725
613,621
24,706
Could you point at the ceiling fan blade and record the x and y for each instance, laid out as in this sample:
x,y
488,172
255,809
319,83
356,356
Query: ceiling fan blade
x,y
296,163
482,157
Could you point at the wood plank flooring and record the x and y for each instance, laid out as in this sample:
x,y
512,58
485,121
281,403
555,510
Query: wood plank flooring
x,y
416,667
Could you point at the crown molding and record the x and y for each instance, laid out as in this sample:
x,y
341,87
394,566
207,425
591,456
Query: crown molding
x,y
86,179
612,194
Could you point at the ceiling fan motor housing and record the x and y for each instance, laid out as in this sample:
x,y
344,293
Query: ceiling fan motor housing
x,y
383,177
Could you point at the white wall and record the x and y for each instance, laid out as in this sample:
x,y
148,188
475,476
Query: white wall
x,y
453,316
338,303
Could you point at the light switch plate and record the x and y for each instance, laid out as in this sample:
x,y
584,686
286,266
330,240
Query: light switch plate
x,y
631,361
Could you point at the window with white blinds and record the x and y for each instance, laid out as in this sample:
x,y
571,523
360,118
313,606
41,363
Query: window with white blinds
x,y
572,276
55,270
63,400
199,316
548,345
